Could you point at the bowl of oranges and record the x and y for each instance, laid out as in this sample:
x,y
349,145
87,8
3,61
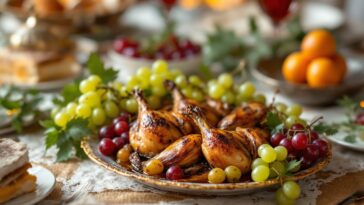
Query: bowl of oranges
x,y
317,74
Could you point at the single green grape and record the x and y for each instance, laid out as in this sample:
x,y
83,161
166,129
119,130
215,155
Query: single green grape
x,y
263,146
290,121
233,174
281,153
156,80
175,73
123,91
181,81
95,79
131,105
291,190
277,168
258,162
294,110
61,119
241,99
159,91
154,102
87,86
153,167
187,91
268,154
216,91
216,176
195,80
247,89
144,74
260,173
160,67
91,99
83,110
260,98
282,199
228,97
71,109
133,82
98,116
226,80
212,83
281,107
117,85
111,109
122,104
197,95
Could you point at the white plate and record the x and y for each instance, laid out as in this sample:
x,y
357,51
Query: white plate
x,y
45,185
339,139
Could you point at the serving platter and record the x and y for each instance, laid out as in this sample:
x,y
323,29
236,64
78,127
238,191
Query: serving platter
x,y
90,146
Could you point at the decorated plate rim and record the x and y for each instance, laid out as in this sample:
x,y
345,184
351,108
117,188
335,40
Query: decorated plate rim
x,y
86,146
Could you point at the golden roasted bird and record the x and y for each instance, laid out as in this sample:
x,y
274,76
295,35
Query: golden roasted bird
x,y
248,115
253,138
180,105
184,152
154,130
221,148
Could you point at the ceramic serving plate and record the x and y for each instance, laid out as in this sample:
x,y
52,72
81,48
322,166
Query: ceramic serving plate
x,y
269,73
90,146
339,139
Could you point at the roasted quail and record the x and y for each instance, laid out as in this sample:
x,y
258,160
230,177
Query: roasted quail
x,y
184,152
154,130
221,148
180,105
248,115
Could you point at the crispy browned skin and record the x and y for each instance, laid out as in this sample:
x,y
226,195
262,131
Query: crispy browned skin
x,y
180,105
184,152
221,148
222,108
248,115
254,137
153,130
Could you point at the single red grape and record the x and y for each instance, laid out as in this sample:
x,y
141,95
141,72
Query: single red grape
x,y
120,45
121,127
276,139
300,141
131,52
314,135
360,119
296,128
174,173
305,162
107,147
287,143
323,146
119,142
312,152
106,131
125,137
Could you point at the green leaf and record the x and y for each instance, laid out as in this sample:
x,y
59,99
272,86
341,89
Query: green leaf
x,y
79,151
69,93
350,139
96,67
8,104
323,128
47,123
293,165
51,137
65,151
273,121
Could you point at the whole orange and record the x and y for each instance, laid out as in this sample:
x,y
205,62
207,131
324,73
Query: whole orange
x,y
322,72
294,68
318,43
341,64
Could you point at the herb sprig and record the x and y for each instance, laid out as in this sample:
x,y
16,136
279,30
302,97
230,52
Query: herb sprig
x,y
19,105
